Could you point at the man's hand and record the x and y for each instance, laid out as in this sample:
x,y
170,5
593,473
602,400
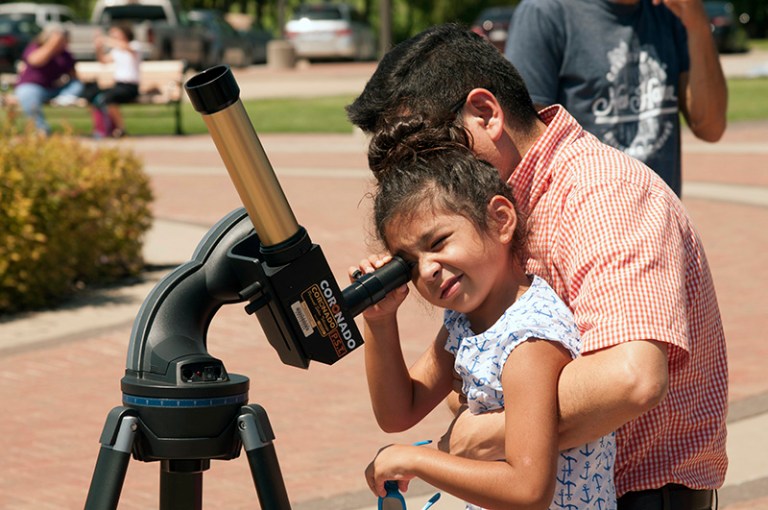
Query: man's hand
x,y
475,436
690,12
456,399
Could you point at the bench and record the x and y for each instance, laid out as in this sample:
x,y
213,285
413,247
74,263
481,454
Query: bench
x,y
161,82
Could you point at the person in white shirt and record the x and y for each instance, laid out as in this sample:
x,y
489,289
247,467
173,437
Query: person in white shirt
x,y
124,53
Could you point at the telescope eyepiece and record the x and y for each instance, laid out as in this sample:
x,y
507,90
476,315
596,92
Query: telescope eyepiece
x,y
212,90
370,288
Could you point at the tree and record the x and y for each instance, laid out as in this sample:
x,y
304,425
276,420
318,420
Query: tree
x,y
757,13
408,17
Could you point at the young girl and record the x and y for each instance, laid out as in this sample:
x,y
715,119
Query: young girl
x,y
126,56
506,333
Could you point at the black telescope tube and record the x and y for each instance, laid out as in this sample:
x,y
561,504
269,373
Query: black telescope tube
x,y
215,94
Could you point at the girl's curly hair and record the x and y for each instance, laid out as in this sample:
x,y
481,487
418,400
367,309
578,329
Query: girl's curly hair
x,y
446,177
408,137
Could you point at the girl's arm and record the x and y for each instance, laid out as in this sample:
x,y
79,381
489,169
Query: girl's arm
x,y
400,396
526,479
100,43
46,51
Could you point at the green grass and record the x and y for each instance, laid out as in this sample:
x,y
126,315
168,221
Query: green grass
x,y
317,115
760,44
748,100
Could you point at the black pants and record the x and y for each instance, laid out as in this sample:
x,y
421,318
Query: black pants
x,y
120,93
669,497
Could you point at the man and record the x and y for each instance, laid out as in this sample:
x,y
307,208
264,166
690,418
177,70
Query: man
x,y
625,69
608,235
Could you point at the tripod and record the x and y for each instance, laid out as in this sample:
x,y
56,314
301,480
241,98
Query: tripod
x,y
180,405
202,414
181,482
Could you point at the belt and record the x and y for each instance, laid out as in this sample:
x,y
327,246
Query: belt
x,y
670,497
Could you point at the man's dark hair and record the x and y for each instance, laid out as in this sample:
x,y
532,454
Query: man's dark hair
x,y
430,75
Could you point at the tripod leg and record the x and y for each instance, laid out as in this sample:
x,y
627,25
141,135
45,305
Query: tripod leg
x,y
256,435
112,464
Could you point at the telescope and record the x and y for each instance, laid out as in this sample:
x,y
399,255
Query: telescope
x,y
180,406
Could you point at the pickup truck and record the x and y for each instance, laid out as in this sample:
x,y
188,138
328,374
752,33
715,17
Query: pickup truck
x,y
81,33
159,25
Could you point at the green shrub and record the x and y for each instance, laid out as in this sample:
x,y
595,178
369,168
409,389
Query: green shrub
x,y
69,215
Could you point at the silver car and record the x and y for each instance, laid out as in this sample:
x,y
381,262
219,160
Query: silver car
x,y
330,31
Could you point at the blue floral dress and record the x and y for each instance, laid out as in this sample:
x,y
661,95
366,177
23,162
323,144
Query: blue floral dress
x,y
585,474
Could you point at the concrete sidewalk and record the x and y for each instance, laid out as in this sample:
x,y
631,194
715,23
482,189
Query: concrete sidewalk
x,y
62,367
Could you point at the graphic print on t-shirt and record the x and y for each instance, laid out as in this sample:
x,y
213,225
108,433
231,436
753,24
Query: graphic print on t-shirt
x,y
640,106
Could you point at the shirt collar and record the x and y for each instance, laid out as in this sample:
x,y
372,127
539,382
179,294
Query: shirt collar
x,y
532,176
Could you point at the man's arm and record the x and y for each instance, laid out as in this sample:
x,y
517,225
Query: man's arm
x,y
633,378
601,391
703,90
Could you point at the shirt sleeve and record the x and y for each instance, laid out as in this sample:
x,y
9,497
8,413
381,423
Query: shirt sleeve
x,y
535,47
625,251
452,321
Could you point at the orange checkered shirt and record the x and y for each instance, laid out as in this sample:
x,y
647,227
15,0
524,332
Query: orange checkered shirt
x,y
618,246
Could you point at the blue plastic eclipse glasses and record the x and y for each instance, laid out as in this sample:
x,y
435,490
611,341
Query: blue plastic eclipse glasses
x,y
395,501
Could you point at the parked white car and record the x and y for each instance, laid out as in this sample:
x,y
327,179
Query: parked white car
x,y
330,31
43,13
81,33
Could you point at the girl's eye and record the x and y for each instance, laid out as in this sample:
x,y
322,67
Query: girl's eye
x,y
408,259
438,242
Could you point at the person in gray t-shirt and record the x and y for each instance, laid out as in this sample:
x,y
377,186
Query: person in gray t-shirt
x,y
625,69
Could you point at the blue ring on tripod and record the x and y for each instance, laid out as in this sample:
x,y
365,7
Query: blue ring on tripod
x,y
184,402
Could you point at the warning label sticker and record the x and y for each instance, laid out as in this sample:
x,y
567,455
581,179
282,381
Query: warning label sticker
x,y
303,317
319,309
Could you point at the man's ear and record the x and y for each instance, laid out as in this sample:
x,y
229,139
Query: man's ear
x,y
482,108
503,217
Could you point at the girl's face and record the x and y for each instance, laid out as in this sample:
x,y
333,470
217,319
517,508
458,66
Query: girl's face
x,y
456,265
116,33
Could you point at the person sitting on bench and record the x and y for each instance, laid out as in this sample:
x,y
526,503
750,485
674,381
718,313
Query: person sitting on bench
x,y
48,74
124,53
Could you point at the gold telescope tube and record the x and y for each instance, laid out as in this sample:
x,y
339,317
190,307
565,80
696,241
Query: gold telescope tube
x,y
215,94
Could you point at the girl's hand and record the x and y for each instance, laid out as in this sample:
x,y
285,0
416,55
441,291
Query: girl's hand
x,y
389,464
387,306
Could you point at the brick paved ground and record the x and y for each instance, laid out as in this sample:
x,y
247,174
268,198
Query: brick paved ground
x,y
325,431
56,395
